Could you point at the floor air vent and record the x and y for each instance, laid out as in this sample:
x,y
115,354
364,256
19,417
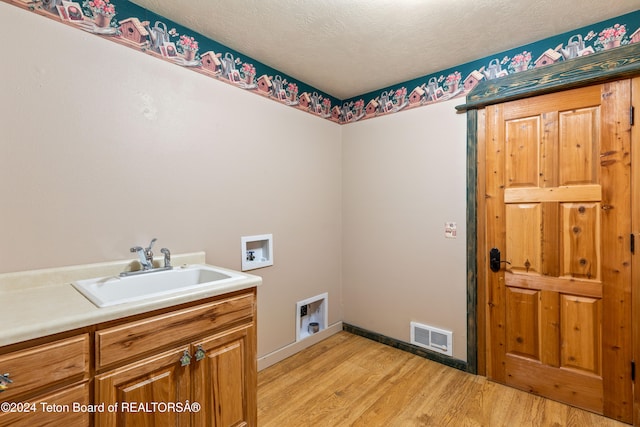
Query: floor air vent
x,y
432,338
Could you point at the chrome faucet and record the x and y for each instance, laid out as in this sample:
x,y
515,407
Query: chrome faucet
x,y
145,256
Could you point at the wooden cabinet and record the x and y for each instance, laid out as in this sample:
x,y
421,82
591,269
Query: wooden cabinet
x,y
190,366
50,383
207,376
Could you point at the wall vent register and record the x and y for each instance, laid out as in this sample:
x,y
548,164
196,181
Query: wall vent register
x,y
432,338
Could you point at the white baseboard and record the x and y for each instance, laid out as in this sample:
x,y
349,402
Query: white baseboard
x,y
293,348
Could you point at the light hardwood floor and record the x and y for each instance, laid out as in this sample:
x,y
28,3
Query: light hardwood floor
x,y
348,380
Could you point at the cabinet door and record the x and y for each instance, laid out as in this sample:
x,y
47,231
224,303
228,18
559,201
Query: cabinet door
x,y
144,392
225,381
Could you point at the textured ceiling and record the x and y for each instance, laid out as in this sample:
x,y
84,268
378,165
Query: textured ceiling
x,y
350,47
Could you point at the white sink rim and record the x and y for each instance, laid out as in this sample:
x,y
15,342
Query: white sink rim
x,y
116,290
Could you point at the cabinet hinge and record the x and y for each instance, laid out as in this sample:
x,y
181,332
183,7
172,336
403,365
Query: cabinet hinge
x,y
632,111
633,370
632,243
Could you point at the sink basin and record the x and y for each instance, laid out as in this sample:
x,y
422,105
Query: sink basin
x,y
113,290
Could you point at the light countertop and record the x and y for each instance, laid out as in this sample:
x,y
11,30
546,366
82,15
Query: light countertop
x,y
37,303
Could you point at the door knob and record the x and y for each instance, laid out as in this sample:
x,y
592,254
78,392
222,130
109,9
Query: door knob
x,y
494,260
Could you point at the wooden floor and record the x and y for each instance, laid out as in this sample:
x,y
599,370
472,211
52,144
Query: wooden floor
x,y
348,380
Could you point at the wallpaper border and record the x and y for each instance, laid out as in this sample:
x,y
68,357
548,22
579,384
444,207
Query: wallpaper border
x,y
126,23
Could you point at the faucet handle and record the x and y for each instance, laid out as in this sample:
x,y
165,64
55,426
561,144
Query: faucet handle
x,y
142,255
148,254
151,244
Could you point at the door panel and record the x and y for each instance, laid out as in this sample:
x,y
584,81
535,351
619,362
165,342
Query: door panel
x,y
522,318
558,207
524,240
581,346
578,141
580,240
522,146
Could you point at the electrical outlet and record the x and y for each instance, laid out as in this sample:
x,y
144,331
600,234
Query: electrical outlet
x,y
303,310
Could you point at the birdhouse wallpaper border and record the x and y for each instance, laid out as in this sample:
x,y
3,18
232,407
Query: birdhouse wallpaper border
x,y
131,25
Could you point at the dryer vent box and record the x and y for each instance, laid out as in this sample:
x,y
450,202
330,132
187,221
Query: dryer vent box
x,y
312,315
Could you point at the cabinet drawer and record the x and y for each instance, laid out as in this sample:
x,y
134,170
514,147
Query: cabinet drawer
x,y
125,341
58,410
44,365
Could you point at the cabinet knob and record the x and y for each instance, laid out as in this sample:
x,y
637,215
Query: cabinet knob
x,y
4,382
185,359
200,353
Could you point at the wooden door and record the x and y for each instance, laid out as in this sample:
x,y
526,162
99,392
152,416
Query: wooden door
x,y
558,210
226,379
135,388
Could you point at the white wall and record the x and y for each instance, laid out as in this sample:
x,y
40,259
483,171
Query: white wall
x,y
403,178
103,147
